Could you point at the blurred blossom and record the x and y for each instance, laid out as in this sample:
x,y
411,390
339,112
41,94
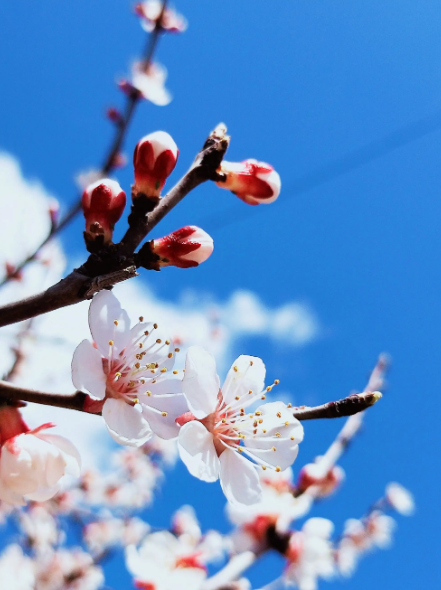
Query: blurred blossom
x,y
68,570
150,11
16,569
149,83
400,499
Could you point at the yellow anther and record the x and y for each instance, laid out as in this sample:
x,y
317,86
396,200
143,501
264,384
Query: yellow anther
x,y
264,431
278,434
163,370
263,397
255,424
260,421
138,356
177,350
135,400
289,406
170,355
258,413
137,365
110,342
250,392
151,366
251,363
153,371
279,414
158,341
155,326
254,431
293,437
167,341
115,322
175,372
239,449
164,414
263,467
131,383
235,369
286,423
140,344
276,382
224,421
154,381
156,366
242,410
143,381
278,469
146,333
237,397
141,319
149,393
118,374
269,388
273,449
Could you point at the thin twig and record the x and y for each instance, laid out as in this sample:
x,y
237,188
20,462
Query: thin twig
x,y
13,393
114,149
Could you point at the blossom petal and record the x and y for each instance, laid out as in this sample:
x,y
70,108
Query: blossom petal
x,y
239,479
278,436
104,310
172,405
197,451
70,453
247,374
318,527
201,383
125,423
87,370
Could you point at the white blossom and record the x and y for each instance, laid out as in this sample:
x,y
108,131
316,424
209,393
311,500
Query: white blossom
x,y
16,569
400,499
126,370
218,433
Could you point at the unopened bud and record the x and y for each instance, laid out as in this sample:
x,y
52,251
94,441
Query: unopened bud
x,y
184,248
114,115
103,203
252,181
154,159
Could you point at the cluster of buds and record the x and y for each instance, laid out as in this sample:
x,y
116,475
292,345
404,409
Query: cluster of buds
x,y
252,181
103,204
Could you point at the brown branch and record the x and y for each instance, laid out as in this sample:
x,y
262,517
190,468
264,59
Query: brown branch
x,y
348,406
114,149
13,393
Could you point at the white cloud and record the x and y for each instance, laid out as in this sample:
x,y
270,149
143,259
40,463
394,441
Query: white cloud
x,y
192,317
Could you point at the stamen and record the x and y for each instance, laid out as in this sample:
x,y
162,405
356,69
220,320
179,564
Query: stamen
x,y
115,322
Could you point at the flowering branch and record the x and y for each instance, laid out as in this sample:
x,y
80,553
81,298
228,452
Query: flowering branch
x,y
11,393
348,406
110,160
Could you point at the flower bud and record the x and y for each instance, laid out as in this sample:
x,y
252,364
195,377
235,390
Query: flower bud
x,y
103,203
184,248
149,12
154,159
252,181
326,483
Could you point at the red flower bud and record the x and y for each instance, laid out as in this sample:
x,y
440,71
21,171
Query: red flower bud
x,y
252,181
154,159
186,247
103,203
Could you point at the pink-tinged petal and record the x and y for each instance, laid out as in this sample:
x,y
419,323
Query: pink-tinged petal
x,y
125,423
87,370
318,527
70,453
10,497
239,479
247,374
43,494
104,311
161,409
197,451
201,383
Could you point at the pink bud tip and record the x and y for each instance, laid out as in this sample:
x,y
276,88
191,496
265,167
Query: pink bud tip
x,y
103,203
184,248
113,115
154,159
252,181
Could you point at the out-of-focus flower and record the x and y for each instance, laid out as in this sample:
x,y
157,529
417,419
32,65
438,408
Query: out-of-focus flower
x,y
154,159
324,482
126,370
68,570
252,181
40,528
32,462
373,531
217,432
400,499
184,248
277,508
150,11
103,534
165,562
310,554
149,83
16,569
103,204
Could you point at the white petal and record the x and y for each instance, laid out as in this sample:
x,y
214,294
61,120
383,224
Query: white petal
x,y
239,479
197,451
173,405
87,370
318,527
201,383
103,311
125,424
247,374
70,452
43,494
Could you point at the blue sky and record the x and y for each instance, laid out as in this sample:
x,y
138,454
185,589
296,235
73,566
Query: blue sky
x,y
300,84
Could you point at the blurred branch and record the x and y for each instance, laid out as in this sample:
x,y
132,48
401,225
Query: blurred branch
x,y
112,153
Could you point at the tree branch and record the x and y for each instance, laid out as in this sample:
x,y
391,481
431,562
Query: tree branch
x,y
348,406
114,149
14,393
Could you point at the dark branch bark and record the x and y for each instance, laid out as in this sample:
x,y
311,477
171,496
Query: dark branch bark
x,y
13,393
347,406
